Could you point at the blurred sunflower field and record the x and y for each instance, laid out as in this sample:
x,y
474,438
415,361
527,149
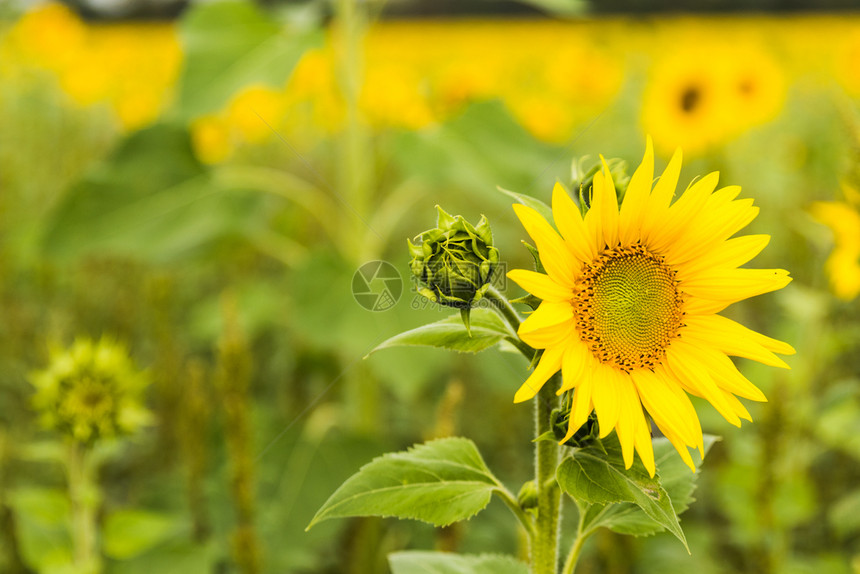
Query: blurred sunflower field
x,y
188,209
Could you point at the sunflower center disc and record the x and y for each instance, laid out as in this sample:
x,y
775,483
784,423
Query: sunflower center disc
x,y
628,307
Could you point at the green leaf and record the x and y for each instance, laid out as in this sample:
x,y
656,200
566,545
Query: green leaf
x,y
530,201
592,477
129,533
150,199
439,482
229,45
450,333
420,562
844,515
674,476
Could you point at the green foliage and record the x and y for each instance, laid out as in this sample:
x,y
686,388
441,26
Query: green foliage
x,y
444,563
42,527
129,533
150,199
440,482
450,333
675,478
229,45
845,514
629,501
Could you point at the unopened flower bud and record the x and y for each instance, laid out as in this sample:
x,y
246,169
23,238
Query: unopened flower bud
x,y
90,391
454,261
528,495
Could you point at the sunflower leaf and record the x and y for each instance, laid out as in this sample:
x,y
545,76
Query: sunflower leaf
x,y
674,476
450,333
421,562
593,477
232,44
440,482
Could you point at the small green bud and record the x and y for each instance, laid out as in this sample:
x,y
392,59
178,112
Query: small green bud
x,y
584,436
583,171
454,261
528,495
91,391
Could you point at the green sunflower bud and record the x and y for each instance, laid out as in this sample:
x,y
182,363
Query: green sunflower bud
x,y
583,437
91,391
528,495
454,261
582,176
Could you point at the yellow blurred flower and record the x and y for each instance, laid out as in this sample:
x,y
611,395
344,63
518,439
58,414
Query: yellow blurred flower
x,y
254,112
50,36
694,106
210,138
90,391
848,63
395,96
843,265
311,92
686,103
131,67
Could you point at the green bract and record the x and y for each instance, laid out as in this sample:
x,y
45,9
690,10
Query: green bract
x,y
583,172
454,261
91,391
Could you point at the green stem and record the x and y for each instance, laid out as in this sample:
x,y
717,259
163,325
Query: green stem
x,y
511,502
504,308
356,158
544,550
576,549
83,495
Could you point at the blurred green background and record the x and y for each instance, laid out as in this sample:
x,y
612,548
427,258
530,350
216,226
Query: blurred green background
x,y
204,189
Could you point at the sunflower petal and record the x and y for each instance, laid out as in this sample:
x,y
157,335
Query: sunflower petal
x,y
686,367
730,254
683,212
556,258
577,358
606,395
540,285
732,338
661,197
547,314
568,219
548,365
609,208
735,284
636,197
679,446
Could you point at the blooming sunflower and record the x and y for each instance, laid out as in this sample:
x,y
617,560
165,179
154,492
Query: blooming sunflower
x,y
630,304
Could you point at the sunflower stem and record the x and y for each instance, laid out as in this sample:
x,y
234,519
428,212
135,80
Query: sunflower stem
x,y
511,502
576,549
83,495
503,307
544,548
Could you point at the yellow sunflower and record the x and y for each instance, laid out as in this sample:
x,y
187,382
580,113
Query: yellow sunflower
x,y
843,265
630,304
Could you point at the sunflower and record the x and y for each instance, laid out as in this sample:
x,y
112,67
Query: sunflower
x,y
843,264
687,104
630,304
